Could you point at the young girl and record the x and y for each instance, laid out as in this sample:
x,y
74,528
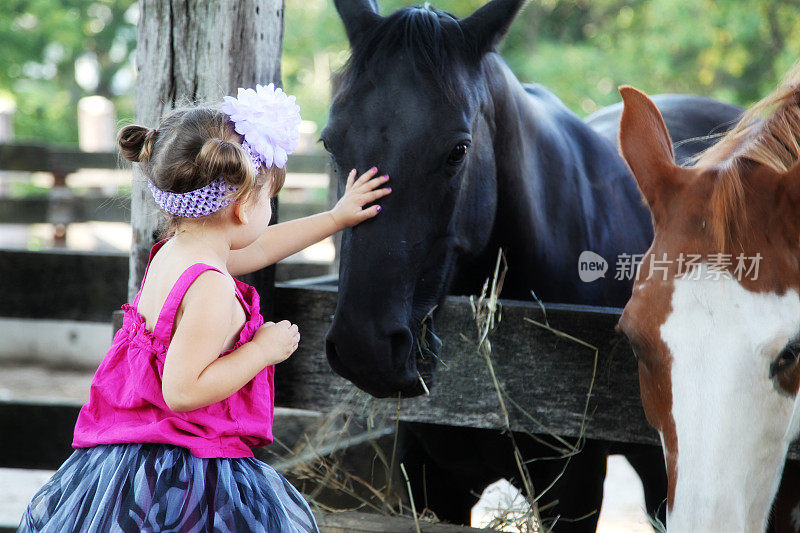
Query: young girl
x,y
164,443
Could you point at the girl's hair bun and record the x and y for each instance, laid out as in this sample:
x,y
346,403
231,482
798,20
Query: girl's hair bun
x,y
219,157
135,144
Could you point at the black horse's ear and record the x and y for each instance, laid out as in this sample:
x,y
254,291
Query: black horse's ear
x,y
357,16
487,26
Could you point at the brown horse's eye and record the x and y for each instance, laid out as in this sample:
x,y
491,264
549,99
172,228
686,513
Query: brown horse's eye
x,y
458,153
786,360
635,350
620,330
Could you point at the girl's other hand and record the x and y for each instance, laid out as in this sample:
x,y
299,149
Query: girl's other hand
x,y
277,341
348,210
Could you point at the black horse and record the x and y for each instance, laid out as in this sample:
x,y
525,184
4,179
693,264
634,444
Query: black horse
x,y
477,161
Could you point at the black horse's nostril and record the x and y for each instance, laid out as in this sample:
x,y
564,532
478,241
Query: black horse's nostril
x,y
333,357
337,364
330,349
357,372
382,365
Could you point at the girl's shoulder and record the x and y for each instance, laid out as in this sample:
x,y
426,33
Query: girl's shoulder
x,y
172,262
208,286
172,273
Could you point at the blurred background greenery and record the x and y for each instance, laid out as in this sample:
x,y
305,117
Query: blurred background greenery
x,y
55,52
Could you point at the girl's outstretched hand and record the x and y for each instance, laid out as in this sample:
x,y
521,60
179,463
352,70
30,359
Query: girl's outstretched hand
x,y
277,341
359,192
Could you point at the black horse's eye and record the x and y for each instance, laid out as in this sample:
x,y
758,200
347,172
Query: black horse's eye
x,y
458,153
786,360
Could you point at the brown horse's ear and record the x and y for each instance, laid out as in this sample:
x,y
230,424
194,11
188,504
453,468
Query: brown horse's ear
x,y
645,145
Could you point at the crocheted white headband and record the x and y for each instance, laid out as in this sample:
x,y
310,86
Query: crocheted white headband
x,y
269,120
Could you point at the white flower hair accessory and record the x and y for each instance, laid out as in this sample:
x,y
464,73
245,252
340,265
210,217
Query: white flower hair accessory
x,y
268,119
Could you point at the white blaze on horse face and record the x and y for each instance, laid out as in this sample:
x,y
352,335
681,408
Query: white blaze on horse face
x,y
732,421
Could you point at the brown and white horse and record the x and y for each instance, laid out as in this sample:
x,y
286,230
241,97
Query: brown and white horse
x,y
714,317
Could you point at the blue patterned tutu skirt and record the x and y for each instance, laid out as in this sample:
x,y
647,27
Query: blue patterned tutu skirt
x,y
160,487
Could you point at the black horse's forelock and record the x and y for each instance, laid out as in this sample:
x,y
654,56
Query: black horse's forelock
x,y
430,39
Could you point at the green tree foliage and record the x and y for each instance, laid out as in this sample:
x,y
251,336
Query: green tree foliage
x,y
734,50
55,52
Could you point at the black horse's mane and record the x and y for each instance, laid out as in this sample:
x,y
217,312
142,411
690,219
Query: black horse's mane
x,y
429,38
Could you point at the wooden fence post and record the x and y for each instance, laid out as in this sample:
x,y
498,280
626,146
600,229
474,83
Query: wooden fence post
x,y
97,122
60,210
7,110
197,51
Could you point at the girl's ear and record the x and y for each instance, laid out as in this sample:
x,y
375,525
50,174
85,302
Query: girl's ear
x,y
645,144
240,212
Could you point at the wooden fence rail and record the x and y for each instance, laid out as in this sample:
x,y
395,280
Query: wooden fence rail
x,y
101,208
68,159
62,285
62,206
88,286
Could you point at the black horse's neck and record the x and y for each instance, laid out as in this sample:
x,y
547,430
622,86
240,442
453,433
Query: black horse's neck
x,y
562,189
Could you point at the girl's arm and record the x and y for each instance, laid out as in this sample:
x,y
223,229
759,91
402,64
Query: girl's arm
x,y
279,241
194,375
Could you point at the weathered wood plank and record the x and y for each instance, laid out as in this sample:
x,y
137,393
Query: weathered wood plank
x,y
28,157
291,271
67,158
82,208
547,375
89,286
62,285
102,208
307,163
36,436
24,210
354,522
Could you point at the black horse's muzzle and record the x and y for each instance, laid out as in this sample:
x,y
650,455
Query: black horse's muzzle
x,y
398,363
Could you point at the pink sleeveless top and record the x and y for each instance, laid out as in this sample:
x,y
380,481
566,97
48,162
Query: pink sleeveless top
x,y
125,400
